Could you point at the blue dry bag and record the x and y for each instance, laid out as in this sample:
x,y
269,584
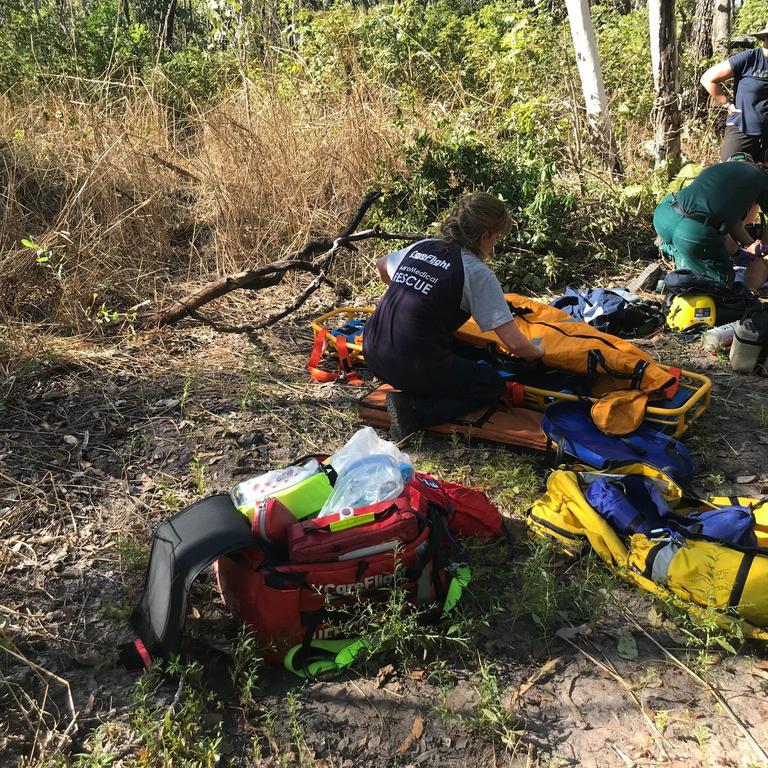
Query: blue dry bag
x,y
631,503
569,425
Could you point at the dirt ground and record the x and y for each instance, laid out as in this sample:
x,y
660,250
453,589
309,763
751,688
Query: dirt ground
x,y
101,441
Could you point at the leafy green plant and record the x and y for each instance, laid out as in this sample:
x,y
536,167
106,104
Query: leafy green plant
x,y
133,554
190,379
491,717
751,16
246,669
177,734
197,475
297,735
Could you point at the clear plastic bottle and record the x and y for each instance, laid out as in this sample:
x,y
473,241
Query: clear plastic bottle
x,y
719,337
368,480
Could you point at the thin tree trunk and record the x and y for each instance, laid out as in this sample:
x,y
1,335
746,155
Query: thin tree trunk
x,y
593,88
721,26
666,79
169,18
702,52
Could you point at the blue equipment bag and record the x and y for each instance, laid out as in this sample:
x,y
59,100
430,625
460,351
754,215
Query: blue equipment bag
x,y
569,425
351,331
613,311
731,525
634,504
631,503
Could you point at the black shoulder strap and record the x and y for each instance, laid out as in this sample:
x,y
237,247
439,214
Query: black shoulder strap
x,y
182,547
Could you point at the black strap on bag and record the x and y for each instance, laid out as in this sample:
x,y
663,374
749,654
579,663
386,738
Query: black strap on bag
x,y
182,547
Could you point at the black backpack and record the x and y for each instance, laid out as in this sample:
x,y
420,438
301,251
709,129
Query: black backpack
x,y
731,302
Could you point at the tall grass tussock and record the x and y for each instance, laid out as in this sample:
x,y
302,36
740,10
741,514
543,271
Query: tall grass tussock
x,y
121,202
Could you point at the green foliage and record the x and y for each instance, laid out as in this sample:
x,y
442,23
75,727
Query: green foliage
x,y
752,16
42,45
548,600
246,669
397,628
179,734
492,717
441,49
134,555
622,41
187,80
197,475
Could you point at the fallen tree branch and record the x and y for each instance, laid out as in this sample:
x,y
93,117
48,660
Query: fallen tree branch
x,y
272,274
250,279
271,319
322,266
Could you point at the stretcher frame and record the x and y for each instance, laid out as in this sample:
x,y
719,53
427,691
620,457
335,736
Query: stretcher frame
x,y
674,421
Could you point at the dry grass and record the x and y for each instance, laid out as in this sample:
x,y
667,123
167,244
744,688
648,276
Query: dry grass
x,y
130,206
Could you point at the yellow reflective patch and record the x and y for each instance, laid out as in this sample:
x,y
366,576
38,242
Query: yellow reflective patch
x,y
352,521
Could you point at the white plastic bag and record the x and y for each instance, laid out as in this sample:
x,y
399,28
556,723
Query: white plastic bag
x,y
365,442
369,470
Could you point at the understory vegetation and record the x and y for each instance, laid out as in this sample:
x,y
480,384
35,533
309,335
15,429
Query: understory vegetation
x,y
139,152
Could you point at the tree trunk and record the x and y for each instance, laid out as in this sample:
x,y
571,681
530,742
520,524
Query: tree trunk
x,y
166,31
721,26
666,80
592,85
702,52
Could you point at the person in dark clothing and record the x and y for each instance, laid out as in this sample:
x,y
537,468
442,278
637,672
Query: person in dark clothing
x,y
435,286
702,227
746,124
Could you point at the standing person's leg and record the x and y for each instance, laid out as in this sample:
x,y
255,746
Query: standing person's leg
x,y
703,250
454,389
735,141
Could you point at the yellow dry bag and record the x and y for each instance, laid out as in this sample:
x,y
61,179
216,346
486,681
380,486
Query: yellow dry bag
x,y
705,574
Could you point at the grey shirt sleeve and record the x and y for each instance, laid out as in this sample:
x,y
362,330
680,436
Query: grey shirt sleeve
x,y
482,296
395,258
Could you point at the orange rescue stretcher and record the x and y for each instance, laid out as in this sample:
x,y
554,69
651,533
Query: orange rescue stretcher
x,y
674,416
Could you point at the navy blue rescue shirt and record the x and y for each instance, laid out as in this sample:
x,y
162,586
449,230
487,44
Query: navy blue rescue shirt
x,y
750,81
435,288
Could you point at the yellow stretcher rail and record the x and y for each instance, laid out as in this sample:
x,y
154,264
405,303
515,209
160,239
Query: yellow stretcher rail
x,y
675,421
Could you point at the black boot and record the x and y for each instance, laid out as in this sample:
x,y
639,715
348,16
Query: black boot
x,y
402,412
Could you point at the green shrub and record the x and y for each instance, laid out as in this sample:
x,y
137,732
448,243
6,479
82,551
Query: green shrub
x,y
190,78
752,16
622,41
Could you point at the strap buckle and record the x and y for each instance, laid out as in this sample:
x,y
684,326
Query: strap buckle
x,y
668,535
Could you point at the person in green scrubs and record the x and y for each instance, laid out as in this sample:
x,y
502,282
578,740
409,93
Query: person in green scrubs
x,y
702,227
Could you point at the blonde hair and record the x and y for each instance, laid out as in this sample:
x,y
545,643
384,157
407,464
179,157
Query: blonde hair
x,y
473,216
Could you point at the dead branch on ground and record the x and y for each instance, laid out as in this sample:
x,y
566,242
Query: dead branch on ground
x,y
272,274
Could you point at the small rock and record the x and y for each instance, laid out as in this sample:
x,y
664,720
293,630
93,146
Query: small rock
x,y
744,479
70,440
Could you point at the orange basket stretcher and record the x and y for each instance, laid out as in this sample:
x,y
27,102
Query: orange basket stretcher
x,y
673,416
